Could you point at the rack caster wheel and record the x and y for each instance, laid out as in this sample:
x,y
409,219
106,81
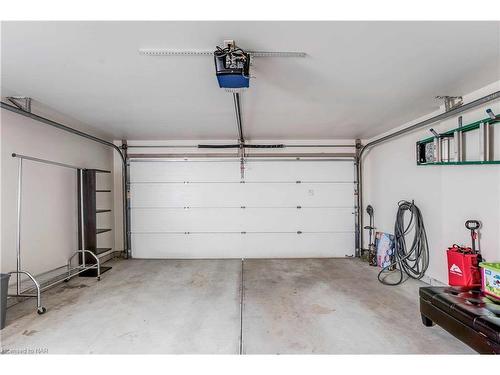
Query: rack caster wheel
x,y
41,310
99,278
66,280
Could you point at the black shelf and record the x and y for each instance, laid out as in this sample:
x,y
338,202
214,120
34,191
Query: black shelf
x,y
101,250
87,209
100,171
93,272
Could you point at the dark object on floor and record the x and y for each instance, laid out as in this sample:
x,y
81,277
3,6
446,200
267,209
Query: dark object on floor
x,y
464,312
93,272
4,287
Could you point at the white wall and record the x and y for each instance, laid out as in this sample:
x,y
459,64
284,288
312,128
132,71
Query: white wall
x,y
49,215
446,195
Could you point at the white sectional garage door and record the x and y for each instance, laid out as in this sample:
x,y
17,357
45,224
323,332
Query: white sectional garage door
x,y
201,209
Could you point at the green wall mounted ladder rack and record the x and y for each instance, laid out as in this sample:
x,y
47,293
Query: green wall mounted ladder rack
x,y
437,150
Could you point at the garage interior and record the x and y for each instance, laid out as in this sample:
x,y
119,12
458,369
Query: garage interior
x,y
153,203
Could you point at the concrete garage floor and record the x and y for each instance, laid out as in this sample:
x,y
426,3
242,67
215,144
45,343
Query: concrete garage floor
x,y
193,306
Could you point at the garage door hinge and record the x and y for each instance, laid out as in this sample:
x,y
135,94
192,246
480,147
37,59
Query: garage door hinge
x,y
299,232
298,182
299,207
187,232
243,232
243,207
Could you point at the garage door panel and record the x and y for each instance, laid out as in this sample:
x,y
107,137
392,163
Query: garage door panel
x,y
248,194
303,194
242,220
192,220
180,171
229,171
299,171
304,219
192,246
198,209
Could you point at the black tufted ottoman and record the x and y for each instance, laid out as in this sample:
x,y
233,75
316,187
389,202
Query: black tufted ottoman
x,y
465,313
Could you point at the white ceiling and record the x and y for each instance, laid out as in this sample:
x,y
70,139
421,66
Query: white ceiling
x,y
359,79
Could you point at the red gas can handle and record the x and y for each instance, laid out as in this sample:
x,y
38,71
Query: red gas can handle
x,y
460,249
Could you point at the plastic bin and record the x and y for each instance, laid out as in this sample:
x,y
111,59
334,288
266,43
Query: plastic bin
x,y
4,287
491,280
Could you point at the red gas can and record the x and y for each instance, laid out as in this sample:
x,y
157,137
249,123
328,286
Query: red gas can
x,y
463,266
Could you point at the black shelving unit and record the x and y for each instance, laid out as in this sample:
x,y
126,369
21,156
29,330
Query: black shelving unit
x,y
88,230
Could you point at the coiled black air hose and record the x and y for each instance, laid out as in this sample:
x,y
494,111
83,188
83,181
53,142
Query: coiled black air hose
x,y
413,261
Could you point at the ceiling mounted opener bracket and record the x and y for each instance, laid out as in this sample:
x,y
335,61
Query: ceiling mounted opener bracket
x,y
21,102
451,102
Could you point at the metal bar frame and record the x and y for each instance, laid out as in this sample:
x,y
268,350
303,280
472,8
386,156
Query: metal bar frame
x,y
82,217
242,303
237,110
357,187
126,199
239,182
248,156
248,144
45,161
18,226
18,293
69,274
148,160
19,271
247,232
84,267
